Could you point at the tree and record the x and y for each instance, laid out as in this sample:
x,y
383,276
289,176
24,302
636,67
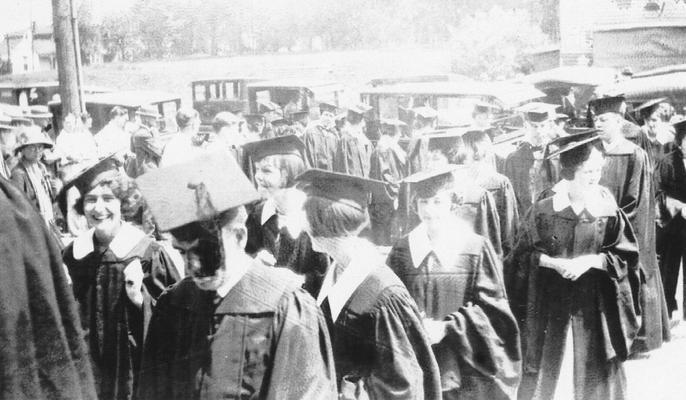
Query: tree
x,y
489,45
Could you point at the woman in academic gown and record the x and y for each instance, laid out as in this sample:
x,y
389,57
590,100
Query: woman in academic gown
x,y
354,148
43,354
117,273
379,344
277,162
572,280
455,277
481,169
477,205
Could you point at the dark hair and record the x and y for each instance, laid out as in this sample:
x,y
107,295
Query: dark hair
x,y
571,160
328,218
118,111
124,189
354,118
456,154
679,136
477,145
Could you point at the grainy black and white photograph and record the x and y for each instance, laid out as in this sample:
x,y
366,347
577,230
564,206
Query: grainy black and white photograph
x,y
342,199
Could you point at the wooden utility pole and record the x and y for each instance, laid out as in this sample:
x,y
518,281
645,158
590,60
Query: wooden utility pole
x,y
67,68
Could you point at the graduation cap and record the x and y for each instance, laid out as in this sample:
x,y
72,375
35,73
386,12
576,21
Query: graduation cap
x,y
613,104
328,106
679,127
426,184
567,143
279,121
197,190
538,112
425,112
647,109
289,144
299,115
254,117
359,108
561,117
442,140
352,190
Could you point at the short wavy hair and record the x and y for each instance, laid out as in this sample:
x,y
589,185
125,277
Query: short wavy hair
x,y
290,165
125,189
329,218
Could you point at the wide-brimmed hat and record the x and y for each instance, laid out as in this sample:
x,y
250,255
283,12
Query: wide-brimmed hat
x,y
32,135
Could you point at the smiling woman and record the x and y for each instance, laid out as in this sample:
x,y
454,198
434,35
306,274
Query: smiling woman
x,y
117,272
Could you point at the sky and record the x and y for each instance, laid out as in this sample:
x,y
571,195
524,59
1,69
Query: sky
x,y
18,14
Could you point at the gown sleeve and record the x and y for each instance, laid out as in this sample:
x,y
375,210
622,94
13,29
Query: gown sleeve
x,y
509,217
303,341
483,337
404,366
160,273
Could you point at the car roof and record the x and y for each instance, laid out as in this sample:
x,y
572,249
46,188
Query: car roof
x,y
129,98
571,75
297,84
510,94
670,85
228,79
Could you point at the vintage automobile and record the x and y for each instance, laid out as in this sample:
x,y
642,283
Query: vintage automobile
x,y
396,79
214,95
29,93
99,105
295,95
580,82
670,85
454,101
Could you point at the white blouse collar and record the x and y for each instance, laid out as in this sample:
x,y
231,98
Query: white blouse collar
x,y
561,201
268,211
349,280
420,246
122,244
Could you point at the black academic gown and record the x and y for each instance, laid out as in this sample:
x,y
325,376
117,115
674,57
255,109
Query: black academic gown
x,y
43,354
480,357
627,174
388,164
353,154
500,188
600,306
321,145
266,339
670,177
114,326
519,168
379,343
294,254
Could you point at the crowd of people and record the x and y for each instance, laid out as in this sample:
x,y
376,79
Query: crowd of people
x,y
283,258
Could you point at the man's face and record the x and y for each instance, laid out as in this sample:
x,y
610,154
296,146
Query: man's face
x,y
608,125
652,123
541,132
256,125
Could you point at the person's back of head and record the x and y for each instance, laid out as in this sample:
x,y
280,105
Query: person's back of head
x,y
185,118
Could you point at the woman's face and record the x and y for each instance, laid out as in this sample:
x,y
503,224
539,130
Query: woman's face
x,y
435,210
436,159
102,210
589,172
269,177
32,152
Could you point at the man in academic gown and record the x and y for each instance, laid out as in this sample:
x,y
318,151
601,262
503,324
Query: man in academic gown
x,y
670,177
380,347
354,148
627,174
524,166
655,136
233,329
321,139
388,164
43,353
